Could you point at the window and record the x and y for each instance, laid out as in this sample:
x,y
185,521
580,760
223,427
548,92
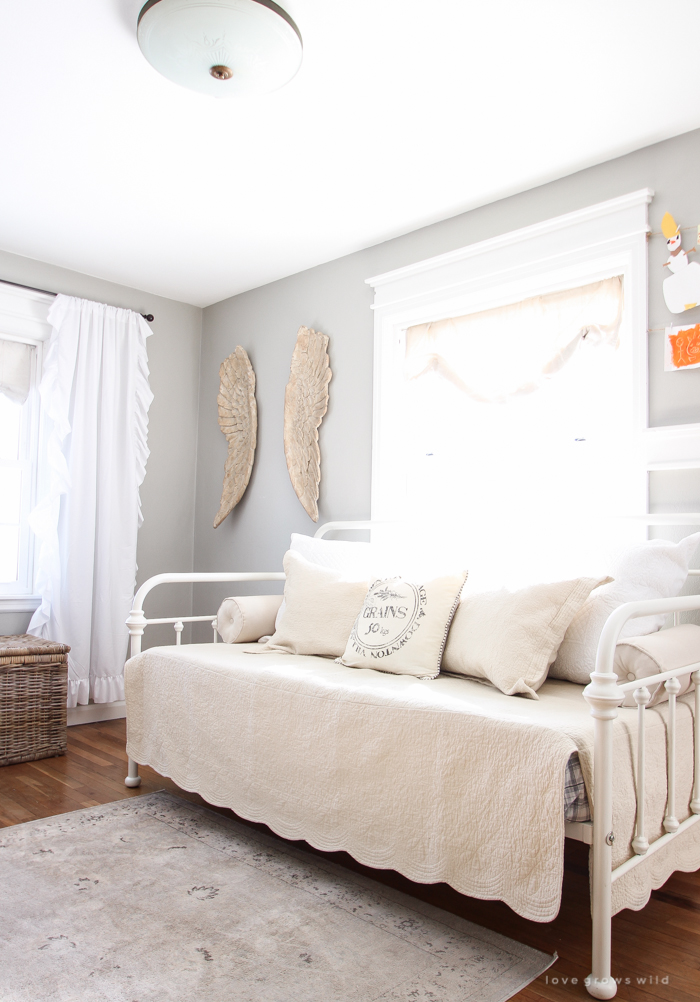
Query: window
x,y
23,329
504,431
17,475
516,417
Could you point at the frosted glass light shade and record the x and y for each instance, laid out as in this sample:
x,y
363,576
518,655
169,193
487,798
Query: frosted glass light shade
x,y
221,47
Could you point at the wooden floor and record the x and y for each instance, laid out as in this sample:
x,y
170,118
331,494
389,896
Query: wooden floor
x,y
657,949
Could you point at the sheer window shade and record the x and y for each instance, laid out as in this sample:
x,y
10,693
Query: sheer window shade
x,y
510,351
15,370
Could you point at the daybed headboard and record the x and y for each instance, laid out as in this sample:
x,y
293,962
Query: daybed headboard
x,y
137,622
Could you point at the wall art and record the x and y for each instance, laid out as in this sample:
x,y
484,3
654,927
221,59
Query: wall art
x,y
238,420
682,348
682,287
305,404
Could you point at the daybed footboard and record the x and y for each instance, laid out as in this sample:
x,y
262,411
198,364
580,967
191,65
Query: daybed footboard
x,y
604,695
137,621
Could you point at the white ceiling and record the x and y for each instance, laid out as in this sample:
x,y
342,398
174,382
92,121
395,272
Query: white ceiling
x,y
402,114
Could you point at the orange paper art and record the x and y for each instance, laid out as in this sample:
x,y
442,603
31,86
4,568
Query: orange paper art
x,y
682,348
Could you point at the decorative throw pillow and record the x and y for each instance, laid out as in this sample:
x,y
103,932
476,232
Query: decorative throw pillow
x,y
402,626
355,560
511,638
320,609
245,618
640,657
657,569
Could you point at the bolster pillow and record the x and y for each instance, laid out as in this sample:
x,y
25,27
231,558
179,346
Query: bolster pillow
x,y
641,657
243,619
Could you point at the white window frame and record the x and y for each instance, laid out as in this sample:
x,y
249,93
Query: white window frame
x,y
609,238
23,315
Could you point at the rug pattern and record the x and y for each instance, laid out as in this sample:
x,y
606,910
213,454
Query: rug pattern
x,y
154,899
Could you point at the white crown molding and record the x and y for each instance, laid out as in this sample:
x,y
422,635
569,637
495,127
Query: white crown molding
x,y
568,219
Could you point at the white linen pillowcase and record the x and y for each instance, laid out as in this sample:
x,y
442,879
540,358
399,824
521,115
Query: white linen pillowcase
x,y
402,626
352,558
655,569
321,606
511,638
640,657
357,560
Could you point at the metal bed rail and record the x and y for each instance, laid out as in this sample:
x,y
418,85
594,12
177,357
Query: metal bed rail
x,y
137,621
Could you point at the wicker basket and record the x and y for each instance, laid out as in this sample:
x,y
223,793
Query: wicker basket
x,y
33,691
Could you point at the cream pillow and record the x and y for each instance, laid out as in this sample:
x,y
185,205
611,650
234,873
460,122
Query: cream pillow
x,y
402,627
657,569
640,657
320,609
356,561
511,638
244,618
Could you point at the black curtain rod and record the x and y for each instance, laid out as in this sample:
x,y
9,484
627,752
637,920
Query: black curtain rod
x,y
32,288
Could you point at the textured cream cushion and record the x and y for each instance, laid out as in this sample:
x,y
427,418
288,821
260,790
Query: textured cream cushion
x,y
640,657
657,569
320,609
511,638
402,626
355,560
244,618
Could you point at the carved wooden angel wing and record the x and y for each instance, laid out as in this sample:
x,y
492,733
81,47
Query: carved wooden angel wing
x,y
238,420
305,403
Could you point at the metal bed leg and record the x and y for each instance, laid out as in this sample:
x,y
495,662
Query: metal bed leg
x,y
604,698
133,778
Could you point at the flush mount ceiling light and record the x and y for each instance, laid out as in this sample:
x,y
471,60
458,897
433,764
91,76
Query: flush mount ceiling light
x,y
221,47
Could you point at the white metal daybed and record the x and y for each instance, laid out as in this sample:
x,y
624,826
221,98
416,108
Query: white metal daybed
x,y
269,740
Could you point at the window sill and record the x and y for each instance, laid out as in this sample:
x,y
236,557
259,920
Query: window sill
x,y
22,603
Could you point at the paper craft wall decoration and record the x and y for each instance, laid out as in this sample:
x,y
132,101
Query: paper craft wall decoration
x,y
682,287
238,420
305,403
682,348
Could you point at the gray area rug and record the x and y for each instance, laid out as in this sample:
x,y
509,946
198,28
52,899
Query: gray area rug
x,y
154,898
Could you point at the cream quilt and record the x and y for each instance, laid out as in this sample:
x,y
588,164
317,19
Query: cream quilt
x,y
442,780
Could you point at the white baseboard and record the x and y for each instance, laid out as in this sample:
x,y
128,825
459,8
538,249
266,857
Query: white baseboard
x,y
91,713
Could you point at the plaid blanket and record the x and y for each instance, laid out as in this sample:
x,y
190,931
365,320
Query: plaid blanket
x,y
575,798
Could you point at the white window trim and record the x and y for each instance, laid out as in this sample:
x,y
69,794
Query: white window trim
x,y
606,239
23,315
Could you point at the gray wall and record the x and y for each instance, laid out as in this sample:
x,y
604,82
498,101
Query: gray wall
x,y
167,493
333,298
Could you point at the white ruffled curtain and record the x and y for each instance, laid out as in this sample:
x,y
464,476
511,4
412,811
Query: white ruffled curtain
x,y
500,354
95,395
